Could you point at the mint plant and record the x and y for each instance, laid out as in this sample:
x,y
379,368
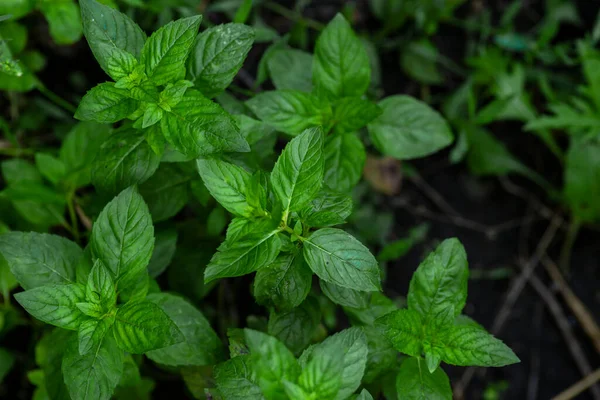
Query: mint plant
x,y
328,89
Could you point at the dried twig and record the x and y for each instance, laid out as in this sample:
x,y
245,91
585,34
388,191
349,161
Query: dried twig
x,y
579,309
579,387
534,372
559,316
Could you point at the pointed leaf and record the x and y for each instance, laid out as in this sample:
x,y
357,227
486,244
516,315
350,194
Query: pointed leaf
x,y
414,382
106,104
55,304
345,157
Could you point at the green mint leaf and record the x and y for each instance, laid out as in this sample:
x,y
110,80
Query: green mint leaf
x,y
467,345
236,379
419,60
364,395
288,111
17,170
165,52
105,104
137,289
273,363
337,257
143,326
123,237
50,352
298,173
440,282
582,167
64,21
80,146
433,358
95,375
201,346
121,64
54,304
166,192
297,326
38,259
322,370
91,309
404,328
284,284
382,357
295,392
197,126
228,184
173,93
51,167
110,33
165,244
100,288
152,115
345,297
217,56
244,255
328,208
291,69
124,159
352,343
341,65
409,128
414,382
345,157
352,113
92,332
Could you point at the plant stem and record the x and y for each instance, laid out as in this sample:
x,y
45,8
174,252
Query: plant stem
x,y
73,216
293,16
56,99
567,247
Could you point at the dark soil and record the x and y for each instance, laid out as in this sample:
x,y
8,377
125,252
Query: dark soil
x,y
546,367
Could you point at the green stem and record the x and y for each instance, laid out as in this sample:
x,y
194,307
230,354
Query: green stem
x,y
567,247
73,216
293,16
56,99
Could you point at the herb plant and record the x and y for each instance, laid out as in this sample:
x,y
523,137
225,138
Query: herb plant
x,y
191,190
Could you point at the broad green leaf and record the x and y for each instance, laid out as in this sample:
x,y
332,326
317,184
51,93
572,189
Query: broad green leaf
x,y
337,257
327,209
166,192
197,126
201,345
79,148
54,304
582,187
17,170
124,159
236,379
353,113
341,65
246,254
284,284
143,326
123,236
415,382
419,61
51,167
64,21
295,392
440,281
298,174
404,328
165,52
297,326
109,34
38,259
37,203
95,375
345,157
217,55
100,288
50,351
467,345
291,69
353,346
345,297
106,104
409,128
92,333
165,244
90,309
289,111
382,357
273,363
321,373
228,184
16,8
